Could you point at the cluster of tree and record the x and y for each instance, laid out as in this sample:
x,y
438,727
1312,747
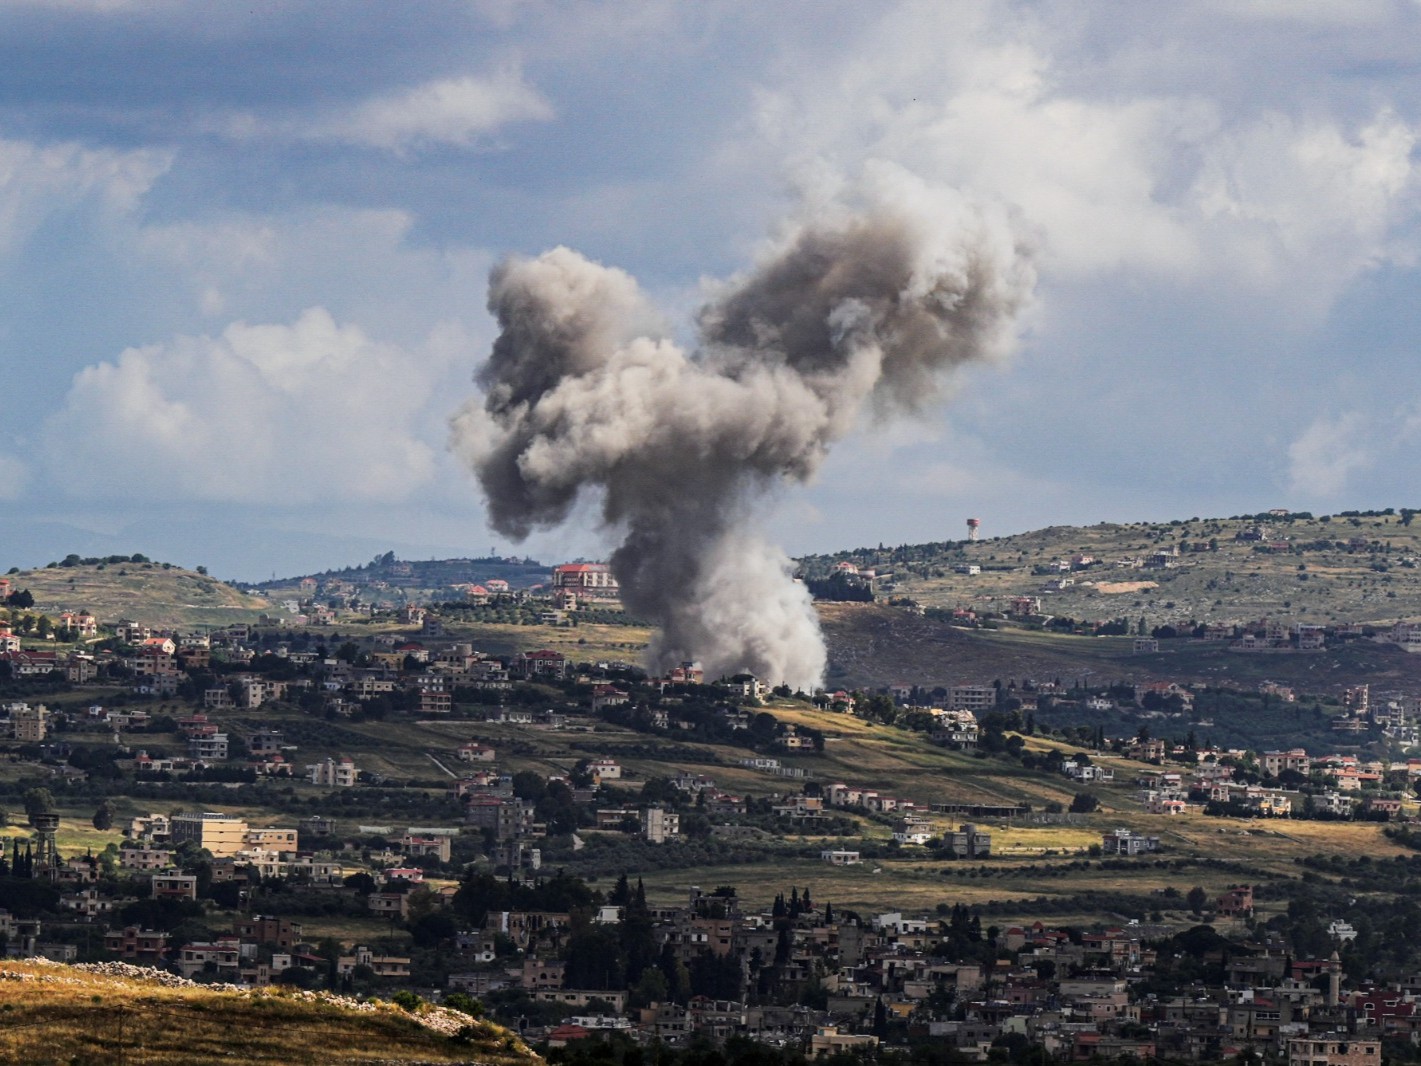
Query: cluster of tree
x,y
840,586
73,560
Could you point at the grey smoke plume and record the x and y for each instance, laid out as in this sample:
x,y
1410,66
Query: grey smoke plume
x,y
862,307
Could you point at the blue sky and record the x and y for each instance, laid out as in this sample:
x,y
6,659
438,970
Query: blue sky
x,y
244,250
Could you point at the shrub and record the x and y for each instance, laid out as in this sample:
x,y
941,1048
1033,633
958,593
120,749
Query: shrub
x,y
464,1003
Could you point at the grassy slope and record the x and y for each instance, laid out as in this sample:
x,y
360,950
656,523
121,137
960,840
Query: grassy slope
x,y
145,592
1235,583
55,1014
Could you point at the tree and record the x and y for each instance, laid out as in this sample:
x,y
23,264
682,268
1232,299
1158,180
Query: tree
x,y
38,801
1196,898
103,817
1084,803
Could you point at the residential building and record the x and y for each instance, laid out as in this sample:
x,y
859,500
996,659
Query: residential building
x,y
333,773
659,825
221,834
265,929
974,698
29,723
589,580
1127,842
172,885
1333,1049
144,945
969,842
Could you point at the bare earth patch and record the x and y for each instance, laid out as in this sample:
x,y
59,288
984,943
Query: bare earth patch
x,y
1115,588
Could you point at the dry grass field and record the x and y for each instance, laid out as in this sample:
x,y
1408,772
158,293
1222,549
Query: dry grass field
x,y
56,1014
147,592
583,643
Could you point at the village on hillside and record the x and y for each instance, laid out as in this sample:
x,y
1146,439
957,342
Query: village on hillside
x,y
523,886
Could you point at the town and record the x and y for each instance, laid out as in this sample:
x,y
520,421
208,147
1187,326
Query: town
x,y
540,864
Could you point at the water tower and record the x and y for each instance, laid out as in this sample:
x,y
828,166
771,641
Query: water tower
x,y
972,524
46,826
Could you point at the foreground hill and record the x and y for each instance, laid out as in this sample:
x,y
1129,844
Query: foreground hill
x,y
116,1013
156,594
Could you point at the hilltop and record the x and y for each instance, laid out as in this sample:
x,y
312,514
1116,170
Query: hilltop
x,y
153,593
386,578
1362,567
108,1012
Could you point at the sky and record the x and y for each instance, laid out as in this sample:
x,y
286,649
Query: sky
x,y
244,253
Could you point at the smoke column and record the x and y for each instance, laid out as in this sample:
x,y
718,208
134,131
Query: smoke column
x,y
865,306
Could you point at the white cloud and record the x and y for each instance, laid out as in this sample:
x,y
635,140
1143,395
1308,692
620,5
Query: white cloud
x,y
1297,193
37,181
458,111
360,264
1180,176
453,111
446,111
1327,454
282,415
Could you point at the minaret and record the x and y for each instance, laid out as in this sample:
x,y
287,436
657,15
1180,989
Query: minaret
x,y
1334,980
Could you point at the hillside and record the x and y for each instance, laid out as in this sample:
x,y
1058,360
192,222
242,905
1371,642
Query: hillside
x,y
873,645
156,594
116,1013
1352,567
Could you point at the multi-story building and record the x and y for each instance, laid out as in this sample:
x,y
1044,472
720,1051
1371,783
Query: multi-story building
x,y
221,834
210,748
333,773
975,698
1333,1049
171,885
508,818
593,580
265,929
29,723
1296,759
271,838
969,842
659,825
146,945
437,846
